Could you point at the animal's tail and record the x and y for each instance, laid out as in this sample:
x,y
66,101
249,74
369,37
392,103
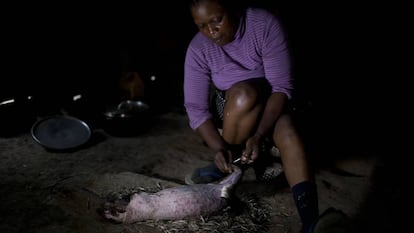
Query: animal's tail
x,y
230,181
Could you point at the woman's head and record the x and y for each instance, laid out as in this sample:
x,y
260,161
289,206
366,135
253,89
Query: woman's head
x,y
216,19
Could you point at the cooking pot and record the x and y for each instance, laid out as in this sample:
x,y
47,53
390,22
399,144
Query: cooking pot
x,y
130,117
61,132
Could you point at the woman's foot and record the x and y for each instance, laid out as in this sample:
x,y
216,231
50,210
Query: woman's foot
x,y
205,175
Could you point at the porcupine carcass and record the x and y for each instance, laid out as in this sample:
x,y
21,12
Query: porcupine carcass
x,y
180,202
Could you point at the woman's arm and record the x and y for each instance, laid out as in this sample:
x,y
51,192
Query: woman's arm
x,y
209,133
273,109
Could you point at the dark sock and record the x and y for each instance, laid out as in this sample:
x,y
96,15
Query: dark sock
x,y
306,200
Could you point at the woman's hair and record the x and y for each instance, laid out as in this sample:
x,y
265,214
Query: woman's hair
x,y
234,8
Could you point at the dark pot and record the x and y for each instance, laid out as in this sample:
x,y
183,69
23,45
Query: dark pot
x,y
130,118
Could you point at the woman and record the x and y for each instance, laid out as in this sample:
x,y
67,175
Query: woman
x,y
240,56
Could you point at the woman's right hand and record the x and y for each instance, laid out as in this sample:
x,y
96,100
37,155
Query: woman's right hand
x,y
223,160
251,152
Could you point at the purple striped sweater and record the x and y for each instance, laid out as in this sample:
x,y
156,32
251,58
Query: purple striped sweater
x,y
260,51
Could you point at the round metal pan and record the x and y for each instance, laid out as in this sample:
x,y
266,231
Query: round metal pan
x,y
60,132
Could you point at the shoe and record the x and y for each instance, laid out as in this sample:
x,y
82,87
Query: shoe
x,y
205,175
274,151
268,147
269,173
269,165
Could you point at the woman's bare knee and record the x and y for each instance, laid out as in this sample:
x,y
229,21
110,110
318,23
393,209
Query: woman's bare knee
x,y
285,133
242,97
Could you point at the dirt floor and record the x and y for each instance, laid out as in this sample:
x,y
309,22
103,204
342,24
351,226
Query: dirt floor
x,y
46,191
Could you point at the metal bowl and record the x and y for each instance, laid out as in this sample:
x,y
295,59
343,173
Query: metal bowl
x,y
128,109
130,118
60,132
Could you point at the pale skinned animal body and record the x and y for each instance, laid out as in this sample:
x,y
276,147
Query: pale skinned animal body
x,y
181,202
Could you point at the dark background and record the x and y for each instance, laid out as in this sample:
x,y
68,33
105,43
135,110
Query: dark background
x,y
54,52
342,54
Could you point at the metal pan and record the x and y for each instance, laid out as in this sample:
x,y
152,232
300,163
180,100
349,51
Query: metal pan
x,y
128,109
60,132
129,119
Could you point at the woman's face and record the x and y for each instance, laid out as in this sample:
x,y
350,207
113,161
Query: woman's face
x,y
212,20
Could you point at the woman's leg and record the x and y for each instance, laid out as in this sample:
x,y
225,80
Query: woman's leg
x,y
292,151
241,111
297,171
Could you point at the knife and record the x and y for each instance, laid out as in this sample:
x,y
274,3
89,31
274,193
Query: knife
x,y
238,160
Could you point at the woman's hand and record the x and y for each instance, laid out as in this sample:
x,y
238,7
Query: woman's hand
x,y
251,153
223,159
